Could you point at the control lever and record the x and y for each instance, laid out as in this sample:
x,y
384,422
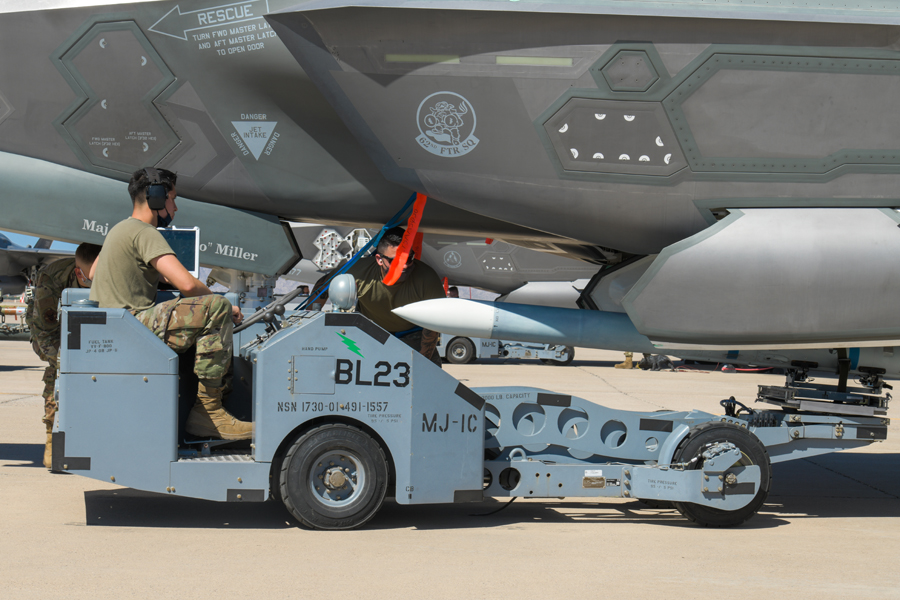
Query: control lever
x,y
271,310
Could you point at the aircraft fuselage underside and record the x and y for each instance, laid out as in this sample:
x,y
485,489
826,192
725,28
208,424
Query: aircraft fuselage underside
x,y
563,127
534,117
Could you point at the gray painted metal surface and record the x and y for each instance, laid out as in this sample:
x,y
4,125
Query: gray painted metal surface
x,y
444,442
600,129
16,263
805,279
488,348
530,105
833,11
67,204
341,364
202,89
492,265
118,383
390,394
615,331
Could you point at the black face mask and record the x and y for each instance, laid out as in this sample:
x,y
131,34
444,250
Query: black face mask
x,y
163,221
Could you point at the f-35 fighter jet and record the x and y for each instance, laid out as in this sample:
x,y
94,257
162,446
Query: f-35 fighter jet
x,y
16,263
731,169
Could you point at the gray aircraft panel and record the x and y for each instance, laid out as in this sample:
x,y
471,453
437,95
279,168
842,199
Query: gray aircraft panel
x,y
13,255
491,265
69,205
501,139
634,222
242,83
203,151
466,47
498,266
599,128
536,94
827,11
16,261
250,131
249,91
845,291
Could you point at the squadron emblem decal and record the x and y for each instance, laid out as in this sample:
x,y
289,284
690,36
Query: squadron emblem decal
x,y
452,259
446,123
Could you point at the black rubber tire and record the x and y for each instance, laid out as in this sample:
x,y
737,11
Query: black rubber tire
x,y
460,351
367,462
561,363
754,453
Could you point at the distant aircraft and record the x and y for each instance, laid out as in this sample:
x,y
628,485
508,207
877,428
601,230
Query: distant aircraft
x,y
16,263
729,170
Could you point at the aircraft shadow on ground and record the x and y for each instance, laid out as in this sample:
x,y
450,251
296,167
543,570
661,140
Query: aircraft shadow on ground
x,y
538,363
15,337
30,454
8,368
520,512
133,508
833,486
839,485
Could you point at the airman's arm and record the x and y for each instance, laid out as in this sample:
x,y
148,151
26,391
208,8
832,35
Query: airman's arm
x,y
171,268
429,342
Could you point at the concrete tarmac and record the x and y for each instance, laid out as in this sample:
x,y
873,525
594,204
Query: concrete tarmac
x,y
828,530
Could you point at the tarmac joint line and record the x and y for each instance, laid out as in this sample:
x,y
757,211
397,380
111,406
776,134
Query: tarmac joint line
x,y
624,393
17,398
859,481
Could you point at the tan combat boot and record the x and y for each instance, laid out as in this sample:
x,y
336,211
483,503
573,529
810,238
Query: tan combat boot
x,y
629,362
209,418
48,449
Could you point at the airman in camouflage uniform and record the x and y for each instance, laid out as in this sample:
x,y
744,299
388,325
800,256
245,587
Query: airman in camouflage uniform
x,y
42,319
202,320
135,256
376,300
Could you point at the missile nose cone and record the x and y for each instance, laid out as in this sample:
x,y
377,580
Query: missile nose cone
x,y
453,316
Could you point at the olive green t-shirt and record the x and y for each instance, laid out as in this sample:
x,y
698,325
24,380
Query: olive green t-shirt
x,y
376,300
123,277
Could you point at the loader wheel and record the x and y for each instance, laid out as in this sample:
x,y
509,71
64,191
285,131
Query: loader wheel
x,y
461,351
334,477
570,356
753,452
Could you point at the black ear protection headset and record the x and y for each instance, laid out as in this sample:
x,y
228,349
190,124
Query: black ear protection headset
x,y
157,191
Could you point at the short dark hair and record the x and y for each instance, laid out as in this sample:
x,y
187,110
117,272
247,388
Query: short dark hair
x,y
391,239
140,182
320,283
87,253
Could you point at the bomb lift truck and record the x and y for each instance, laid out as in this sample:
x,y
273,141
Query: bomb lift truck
x,y
462,350
345,414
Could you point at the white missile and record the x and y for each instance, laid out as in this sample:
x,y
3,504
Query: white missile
x,y
453,316
527,323
609,331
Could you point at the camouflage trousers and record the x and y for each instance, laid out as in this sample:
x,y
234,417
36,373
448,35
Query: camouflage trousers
x,y
204,321
414,341
49,388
